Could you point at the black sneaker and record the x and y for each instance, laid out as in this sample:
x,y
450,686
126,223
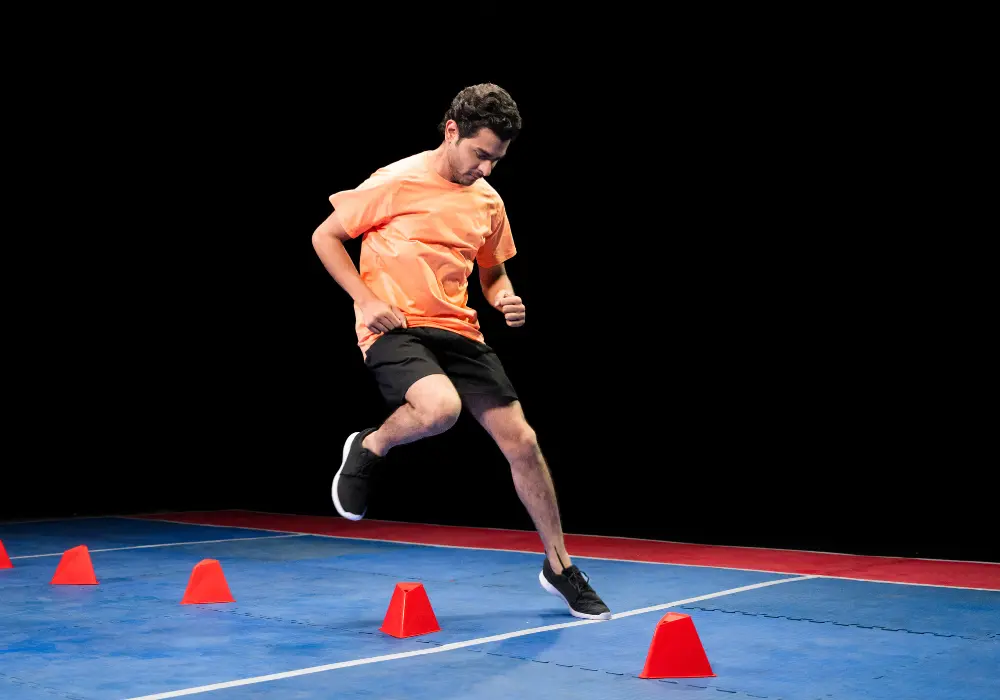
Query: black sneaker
x,y
353,480
573,586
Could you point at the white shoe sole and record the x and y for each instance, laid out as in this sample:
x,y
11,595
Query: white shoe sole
x,y
336,480
555,591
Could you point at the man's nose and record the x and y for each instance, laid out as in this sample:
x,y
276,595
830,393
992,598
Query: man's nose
x,y
486,168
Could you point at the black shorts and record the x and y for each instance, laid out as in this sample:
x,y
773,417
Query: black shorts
x,y
403,355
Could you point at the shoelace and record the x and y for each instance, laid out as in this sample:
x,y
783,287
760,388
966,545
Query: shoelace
x,y
369,467
579,580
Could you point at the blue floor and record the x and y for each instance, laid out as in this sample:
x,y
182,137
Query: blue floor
x,y
310,601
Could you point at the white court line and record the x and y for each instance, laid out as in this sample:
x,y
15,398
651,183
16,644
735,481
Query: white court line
x,y
139,516
643,539
167,544
908,583
581,556
453,645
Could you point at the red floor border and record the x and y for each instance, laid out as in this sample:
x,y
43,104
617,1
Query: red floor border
x,y
980,575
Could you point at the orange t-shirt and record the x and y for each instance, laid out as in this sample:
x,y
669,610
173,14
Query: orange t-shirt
x,y
422,234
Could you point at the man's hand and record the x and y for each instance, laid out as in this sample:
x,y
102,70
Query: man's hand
x,y
380,317
511,308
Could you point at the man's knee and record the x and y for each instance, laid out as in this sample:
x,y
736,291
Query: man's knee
x,y
439,411
520,442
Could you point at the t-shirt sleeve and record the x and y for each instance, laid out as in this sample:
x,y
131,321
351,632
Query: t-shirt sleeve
x,y
367,206
499,245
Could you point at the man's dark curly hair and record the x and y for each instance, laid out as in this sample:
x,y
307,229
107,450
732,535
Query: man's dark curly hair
x,y
484,105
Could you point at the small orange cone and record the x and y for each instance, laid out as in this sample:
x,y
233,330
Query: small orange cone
x,y
410,613
676,650
207,585
75,568
4,559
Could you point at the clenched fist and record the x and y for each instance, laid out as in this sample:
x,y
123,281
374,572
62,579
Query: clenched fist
x,y
511,307
380,317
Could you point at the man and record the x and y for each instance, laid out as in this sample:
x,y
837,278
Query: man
x,y
424,221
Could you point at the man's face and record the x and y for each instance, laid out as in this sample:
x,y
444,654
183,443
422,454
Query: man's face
x,y
473,157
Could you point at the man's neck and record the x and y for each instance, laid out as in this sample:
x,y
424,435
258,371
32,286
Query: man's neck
x,y
440,163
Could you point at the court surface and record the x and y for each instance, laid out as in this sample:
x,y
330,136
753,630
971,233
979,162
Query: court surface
x,y
311,593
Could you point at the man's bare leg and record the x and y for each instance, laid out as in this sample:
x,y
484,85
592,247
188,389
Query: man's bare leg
x,y
507,425
432,407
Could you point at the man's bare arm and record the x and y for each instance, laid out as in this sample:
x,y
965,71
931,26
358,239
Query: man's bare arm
x,y
499,291
328,241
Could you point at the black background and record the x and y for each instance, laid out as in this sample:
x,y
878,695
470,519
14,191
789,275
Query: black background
x,y
733,334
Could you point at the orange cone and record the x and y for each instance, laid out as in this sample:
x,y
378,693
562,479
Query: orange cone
x,y
4,559
410,613
75,568
676,650
207,585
